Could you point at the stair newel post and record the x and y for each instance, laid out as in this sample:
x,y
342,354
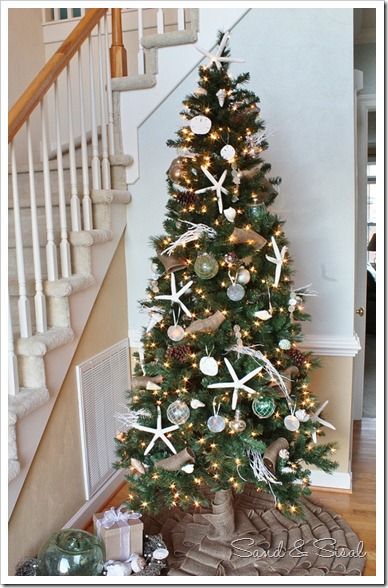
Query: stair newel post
x,y
86,200
140,53
39,298
111,142
118,53
181,19
13,377
160,21
105,165
23,302
64,247
75,209
51,248
96,170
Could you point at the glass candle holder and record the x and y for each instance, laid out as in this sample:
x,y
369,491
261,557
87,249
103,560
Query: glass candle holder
x,y
72,552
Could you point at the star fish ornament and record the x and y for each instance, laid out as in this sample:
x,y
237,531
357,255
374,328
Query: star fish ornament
x,y
158,432
217,187
175,296
215,58
278,260
237,383
315,418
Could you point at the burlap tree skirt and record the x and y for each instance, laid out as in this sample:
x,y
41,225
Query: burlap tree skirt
x,y
247,536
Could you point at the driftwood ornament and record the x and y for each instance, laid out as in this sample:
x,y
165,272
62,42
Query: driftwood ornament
x,y
271,454
249,237
177,461
207,325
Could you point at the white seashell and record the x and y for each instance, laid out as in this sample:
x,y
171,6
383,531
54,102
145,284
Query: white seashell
x,y
200,125
200,91
188,468
302,415
160,554
208,366
138,564
228,152
291,422
221,95
284,344
152,386
230,214
284,454
263,315
137,465
118,568
195,403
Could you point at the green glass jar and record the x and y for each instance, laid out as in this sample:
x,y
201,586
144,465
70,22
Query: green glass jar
x,y
72,552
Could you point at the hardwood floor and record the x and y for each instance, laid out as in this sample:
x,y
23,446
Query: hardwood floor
x,y
357,508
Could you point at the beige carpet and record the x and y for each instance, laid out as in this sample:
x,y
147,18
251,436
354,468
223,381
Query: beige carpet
x,y
247,536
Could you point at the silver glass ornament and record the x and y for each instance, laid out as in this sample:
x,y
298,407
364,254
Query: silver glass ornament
x,y
237,425
243,276
291,422
178,412
216,423
206,266
235,292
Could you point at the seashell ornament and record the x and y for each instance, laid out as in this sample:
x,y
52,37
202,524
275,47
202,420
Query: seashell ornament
x,y
208,366
230,214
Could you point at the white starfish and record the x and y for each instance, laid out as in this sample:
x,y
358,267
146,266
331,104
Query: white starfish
x,y
217,187
216,57
159,433
175,296
278,260
238,383
315,418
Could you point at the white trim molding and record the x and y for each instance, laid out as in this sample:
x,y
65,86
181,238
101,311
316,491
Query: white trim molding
x,y
332,345
336,481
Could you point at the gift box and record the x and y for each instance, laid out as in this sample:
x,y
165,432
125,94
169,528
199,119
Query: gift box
x,y
121,532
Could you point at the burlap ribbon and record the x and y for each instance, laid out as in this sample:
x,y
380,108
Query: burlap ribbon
x,y
319,543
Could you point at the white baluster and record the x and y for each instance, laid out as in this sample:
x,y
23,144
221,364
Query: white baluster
x,y
13,377
111,141
64,247
181,19
160,21
86,200
75,209
82,12
140,53
96,171
57,14
105,165
44,19
39,298
51,248
23,302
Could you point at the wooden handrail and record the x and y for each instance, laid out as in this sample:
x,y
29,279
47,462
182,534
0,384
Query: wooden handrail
x,y
35,92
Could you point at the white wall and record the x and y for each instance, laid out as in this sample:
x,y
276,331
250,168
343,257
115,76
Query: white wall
x,y
301,65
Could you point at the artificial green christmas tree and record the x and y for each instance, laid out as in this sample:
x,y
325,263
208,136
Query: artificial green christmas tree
x,y
222,393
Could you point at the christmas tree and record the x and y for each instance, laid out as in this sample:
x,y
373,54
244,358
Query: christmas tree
x,y
221,394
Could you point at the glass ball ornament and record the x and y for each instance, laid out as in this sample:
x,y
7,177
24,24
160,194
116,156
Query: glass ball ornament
x,y
178,412
256,211
291,422
176,169
175,332
263,407
216,423
72,552
237,425
235,292
206,266
243,276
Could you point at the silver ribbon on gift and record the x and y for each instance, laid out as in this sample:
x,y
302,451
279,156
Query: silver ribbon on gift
x,y
120,519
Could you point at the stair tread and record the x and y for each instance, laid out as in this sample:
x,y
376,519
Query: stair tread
x,y
138,82
89,238
111,196
26,400
39,344
169,39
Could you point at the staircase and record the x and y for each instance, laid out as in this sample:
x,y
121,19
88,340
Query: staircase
x,y
67,208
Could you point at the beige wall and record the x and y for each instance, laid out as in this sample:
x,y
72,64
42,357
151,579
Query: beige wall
x,y
53,490
333,382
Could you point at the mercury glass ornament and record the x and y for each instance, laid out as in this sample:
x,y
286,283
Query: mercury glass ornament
x,y
291,423
256,210
176,169
72,552
284,344
178,412
243,276
175,333
216,423
302,415
206,266
235,292
263,407
237,425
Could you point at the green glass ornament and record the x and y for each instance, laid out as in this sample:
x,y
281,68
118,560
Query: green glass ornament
x,y
206,266
72,552
256,211
263,407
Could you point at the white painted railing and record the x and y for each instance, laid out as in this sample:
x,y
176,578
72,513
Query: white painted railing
x,y
75,112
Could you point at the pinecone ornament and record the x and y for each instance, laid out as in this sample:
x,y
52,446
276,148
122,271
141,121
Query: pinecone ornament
x,y
298,358
187,198
178,353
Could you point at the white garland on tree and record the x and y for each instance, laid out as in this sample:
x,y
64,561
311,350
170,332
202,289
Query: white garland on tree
x,y
261,472
268,366
195,232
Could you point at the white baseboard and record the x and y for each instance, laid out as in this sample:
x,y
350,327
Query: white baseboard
x,y
335,481
82,517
